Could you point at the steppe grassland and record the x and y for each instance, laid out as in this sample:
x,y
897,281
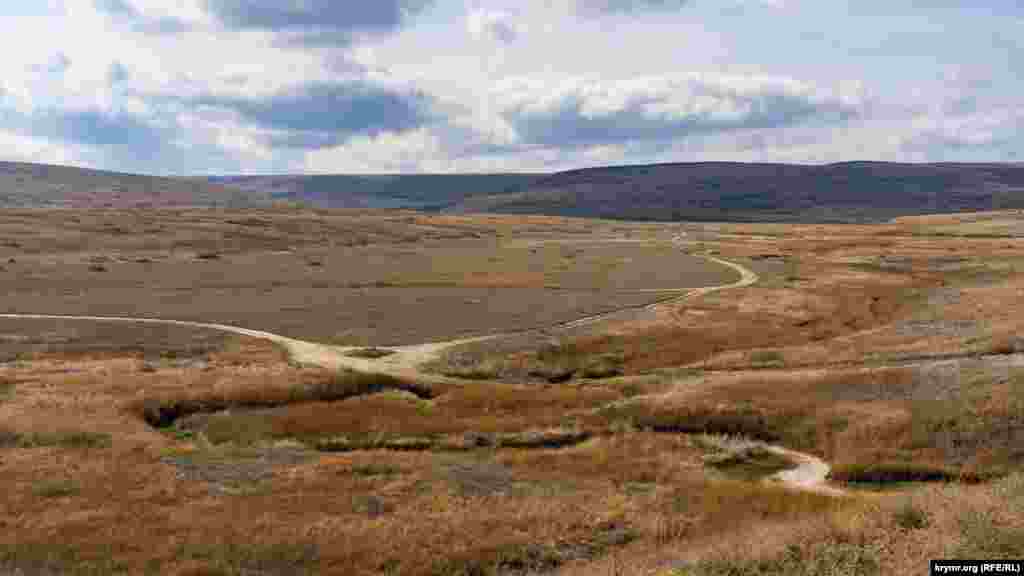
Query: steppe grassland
x,y
591,475
347,277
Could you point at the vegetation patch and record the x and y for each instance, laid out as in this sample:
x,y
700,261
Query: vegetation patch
x,y
249,558
985,536
371,470
7,388
55,557
897,472
532,558
163,411
767,359
741,458
372,353
72,439
730,420
55,488
542,439
910,516
235,469
824,559
724,505
347,444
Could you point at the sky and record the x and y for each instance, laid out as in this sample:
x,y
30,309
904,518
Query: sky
x,y
198,87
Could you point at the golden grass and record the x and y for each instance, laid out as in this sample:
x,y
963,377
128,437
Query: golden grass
x,y
533,496
885,535
589,476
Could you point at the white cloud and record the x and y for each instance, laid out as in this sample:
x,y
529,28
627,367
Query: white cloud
x,y
418,150
492,26
501,84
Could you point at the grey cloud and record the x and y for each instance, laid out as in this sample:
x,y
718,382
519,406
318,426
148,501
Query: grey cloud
x,y
315,21
114,139
611,115
326,114
101,129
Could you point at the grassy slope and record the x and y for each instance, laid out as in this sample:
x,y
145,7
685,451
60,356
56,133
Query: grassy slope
x,y
39,185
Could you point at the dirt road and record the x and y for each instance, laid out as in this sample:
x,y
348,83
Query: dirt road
x,y
404,361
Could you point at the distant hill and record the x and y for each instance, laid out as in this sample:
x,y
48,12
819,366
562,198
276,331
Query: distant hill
x,y
428,192
844,192
708,191
24,185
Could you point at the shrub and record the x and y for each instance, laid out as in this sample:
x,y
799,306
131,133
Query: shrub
x,y
55,489
372,352
732,420
543,439
6,388
742,458
889,472
910,516
604,366
767,358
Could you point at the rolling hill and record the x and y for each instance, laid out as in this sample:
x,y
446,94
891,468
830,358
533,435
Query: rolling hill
x,y
708,191
845,192
428,192
24,185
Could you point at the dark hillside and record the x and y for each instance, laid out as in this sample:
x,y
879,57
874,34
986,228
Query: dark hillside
x,y
845,192
429,192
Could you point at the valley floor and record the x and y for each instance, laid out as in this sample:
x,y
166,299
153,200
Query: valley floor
x,y
643,443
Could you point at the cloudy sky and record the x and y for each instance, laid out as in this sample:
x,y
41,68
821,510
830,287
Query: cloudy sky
x,y
354,86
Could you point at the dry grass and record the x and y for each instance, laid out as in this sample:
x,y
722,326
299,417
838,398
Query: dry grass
x,y
596,474
756,327
888,535
523,492
454,278
162,410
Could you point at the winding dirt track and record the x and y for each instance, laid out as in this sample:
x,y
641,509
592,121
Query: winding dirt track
x,y
809,474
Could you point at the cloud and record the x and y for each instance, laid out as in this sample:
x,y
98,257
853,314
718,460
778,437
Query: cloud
x,y
492,26
315,21
324,114
965,133
587,112
140,22
117,73
590,7
98,128
57,65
